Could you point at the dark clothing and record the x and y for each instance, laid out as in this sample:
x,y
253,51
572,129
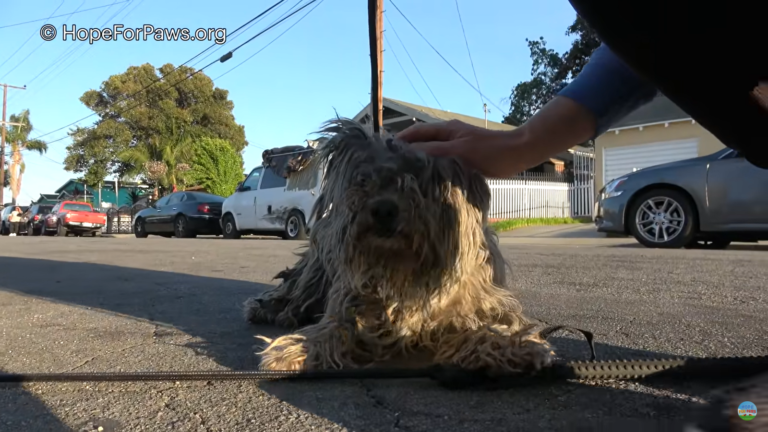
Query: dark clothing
x,y
15,227
707,58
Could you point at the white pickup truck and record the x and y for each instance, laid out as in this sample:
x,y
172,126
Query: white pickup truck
x,y
273,199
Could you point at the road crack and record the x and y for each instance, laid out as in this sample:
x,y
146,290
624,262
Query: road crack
x,y
381,403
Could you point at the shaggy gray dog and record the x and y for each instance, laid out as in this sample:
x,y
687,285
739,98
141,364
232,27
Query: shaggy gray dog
x,y
400,259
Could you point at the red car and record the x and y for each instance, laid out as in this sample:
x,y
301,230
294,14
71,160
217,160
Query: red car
x,y
72,217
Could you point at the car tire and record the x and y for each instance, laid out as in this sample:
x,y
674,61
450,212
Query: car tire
x,y
140,229
181,228
708,244
96,234
61,231
229,228
294,226
3,231
678,220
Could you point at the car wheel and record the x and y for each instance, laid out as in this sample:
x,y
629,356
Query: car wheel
x,y
139,229
3,231
294,227
61,231
181,228
662,218
229,228
712,244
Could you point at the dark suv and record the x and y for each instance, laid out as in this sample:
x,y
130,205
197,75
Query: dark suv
x,y
32,221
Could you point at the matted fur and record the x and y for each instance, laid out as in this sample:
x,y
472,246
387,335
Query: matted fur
x,y
370,288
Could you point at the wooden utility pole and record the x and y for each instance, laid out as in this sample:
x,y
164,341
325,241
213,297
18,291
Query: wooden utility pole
x,y
3,125
375,36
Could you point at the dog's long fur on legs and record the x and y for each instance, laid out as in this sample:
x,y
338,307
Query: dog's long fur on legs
x,y
400,258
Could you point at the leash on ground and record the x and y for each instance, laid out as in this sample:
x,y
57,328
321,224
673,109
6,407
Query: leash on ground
x,y
685,368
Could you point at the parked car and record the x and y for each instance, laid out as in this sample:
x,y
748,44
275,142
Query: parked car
x,y
5,225
269,204
32,221
181,214
708,201
76,218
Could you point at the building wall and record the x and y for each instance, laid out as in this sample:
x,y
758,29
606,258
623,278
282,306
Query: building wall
x,y
708,144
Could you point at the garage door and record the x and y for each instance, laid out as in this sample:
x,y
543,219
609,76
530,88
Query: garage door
x,y
618,161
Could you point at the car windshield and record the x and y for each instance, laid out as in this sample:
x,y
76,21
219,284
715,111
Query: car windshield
x,y
77,207
44,209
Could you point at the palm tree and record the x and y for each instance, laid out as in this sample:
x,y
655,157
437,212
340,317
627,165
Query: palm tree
x,y
163,160
18,138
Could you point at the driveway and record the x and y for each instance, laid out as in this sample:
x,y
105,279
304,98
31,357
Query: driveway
x,y
82,304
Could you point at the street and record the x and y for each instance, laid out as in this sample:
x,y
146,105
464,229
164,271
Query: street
x,y
126,304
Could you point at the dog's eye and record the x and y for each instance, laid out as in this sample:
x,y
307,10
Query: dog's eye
x,y
362,179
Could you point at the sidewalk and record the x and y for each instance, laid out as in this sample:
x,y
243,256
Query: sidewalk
x,y
562,235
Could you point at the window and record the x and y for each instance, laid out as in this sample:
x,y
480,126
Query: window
x,y
43,209
175,198
162,201
55,208
253,179
204,197
78,207
272,180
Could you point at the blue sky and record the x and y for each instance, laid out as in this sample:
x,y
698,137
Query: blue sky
x,y
284,93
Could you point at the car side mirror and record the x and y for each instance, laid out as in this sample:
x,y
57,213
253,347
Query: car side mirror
x,y
243,188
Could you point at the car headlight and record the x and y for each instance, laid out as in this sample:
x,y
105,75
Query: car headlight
x,y
610,188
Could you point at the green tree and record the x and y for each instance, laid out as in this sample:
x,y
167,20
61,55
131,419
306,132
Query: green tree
x,y
216,166
138,131
18,138
550,71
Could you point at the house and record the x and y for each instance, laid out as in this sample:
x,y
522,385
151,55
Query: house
x,y
104,196
657,133
46,199
399,115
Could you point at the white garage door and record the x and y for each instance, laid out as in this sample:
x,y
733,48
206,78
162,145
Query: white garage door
x,y
618,161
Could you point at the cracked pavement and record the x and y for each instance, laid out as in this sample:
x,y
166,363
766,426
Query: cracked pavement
x,y
82,304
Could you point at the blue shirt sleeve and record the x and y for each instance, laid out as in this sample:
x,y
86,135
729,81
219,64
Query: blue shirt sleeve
x,y
609,89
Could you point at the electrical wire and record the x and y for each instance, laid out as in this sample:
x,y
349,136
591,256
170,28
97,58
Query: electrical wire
x,y
412,62
36,32
134,94
441,56
469,53
37,47
71,50
222,59
59,16
272,41
230,39
404,72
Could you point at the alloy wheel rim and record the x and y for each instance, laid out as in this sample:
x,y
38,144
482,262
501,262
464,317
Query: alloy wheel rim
x,y
660,219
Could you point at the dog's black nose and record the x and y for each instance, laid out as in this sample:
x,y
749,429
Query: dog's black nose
x,y
384,212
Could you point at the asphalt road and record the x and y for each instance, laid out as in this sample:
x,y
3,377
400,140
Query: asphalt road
x,y
89,304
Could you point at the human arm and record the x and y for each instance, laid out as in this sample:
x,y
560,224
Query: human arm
x,y
604,92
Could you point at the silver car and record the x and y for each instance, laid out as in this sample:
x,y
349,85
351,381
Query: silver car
x,y
706,202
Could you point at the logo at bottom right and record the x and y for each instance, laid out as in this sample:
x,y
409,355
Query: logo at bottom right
x,y
747,411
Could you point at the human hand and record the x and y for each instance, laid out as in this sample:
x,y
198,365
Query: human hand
x,y
492,153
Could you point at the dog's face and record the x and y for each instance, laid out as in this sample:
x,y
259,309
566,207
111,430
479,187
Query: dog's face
x,y
402,211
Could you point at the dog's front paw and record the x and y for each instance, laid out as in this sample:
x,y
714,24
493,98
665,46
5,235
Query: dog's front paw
x,y
287,353
255,313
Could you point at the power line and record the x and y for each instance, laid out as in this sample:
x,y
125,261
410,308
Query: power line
x,y
412,62
272,41
441,56
132,95
37,47
222,59
72,49
59,16
458,11
404,72
30,37
230,39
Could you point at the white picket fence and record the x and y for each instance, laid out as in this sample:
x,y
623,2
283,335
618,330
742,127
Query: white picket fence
x,y
518,198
